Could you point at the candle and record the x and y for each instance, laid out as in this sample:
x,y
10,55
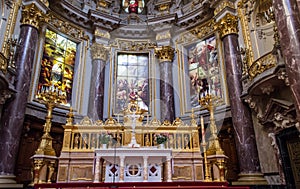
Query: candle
x,y
202,129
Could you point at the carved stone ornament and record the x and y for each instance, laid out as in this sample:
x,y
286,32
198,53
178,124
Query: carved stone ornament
x,y
165,53
283,121
228,25
98,51
31,15
4,95
282,75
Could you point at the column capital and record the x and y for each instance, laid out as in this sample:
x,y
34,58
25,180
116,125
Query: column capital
x,y
32,15
227,25
98,51
165,53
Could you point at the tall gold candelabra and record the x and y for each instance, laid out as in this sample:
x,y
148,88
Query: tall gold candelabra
x,y
51,97
209,102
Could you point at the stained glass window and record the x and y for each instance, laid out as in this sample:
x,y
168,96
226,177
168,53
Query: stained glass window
x,y
203,68
57,65
132,80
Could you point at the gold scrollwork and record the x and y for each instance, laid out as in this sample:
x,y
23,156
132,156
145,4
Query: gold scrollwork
x,y
228,25
98,51
204,30
165,53
31,15
262,64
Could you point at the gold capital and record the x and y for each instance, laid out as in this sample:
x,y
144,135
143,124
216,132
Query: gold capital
x,y
98,51
228,25
31,15
165,53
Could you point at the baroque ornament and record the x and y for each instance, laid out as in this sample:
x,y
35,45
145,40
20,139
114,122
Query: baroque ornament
x,y
31,15
98,51
165,53
228,25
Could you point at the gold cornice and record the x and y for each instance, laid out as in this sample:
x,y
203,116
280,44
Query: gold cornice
x,y
222,6
228,25
165,53
98,51
31,15
203,30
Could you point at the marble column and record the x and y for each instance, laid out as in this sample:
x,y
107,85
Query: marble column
x,y
97,169
169,169
244,132
145,158
165,56
122,158
14,111
288,24
96,100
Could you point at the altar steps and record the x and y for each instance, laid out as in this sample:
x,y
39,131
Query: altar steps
x,y
130,185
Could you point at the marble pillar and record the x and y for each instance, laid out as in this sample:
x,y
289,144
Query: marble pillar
x,y
165,56
14,111
97,169
145,158
242,121
122,159
96,100
287,18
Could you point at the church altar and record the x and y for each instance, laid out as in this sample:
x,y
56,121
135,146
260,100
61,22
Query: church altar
x,y
132,153
133,164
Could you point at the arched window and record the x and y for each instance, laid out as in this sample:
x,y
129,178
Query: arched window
x,y
132,80
57,64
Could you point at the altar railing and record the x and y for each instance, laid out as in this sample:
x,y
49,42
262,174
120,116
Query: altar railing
x,y
88,135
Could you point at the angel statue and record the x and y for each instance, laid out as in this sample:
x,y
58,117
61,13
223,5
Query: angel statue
x,y
133,6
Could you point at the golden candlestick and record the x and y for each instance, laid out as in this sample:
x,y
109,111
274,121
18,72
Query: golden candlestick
x,y
207,177
51,97
209,102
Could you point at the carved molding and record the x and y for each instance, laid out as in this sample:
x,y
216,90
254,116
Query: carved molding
x,y
165,53
65,27
262,64
32,15
132,45
224,5
228,25
98,51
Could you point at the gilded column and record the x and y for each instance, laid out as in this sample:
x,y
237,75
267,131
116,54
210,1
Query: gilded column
x,y
96,100
244,132
165,56
14,111
287,18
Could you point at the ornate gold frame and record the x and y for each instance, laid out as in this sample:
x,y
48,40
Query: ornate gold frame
x,y
185,39
112,77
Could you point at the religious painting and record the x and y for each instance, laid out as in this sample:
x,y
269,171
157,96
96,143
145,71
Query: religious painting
x,y
131,80
203,70
57,64
133,6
